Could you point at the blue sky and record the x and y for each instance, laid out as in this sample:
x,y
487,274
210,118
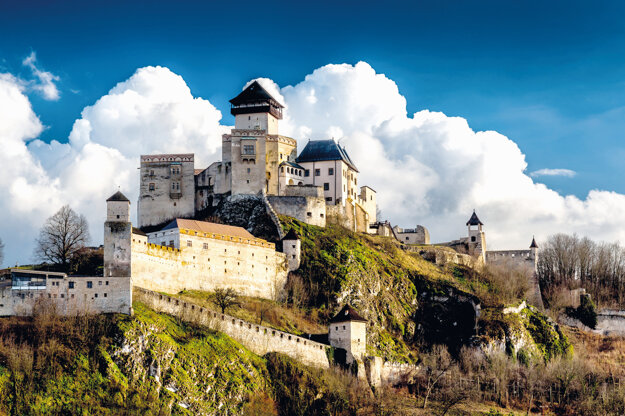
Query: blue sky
x,y
549,75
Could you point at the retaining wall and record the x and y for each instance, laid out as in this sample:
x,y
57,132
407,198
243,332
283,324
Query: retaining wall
x,y
258,338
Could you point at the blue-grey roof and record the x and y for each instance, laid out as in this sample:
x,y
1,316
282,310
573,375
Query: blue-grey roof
x,y
321,150
291,164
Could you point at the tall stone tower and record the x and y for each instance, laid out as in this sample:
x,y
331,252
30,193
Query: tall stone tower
x,y
477,238
292,246
117,236
253,151
534,254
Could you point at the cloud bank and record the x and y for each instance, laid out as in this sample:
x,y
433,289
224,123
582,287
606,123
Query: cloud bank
x,y
428,168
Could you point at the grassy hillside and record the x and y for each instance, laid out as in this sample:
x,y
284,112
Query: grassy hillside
x,y
400,294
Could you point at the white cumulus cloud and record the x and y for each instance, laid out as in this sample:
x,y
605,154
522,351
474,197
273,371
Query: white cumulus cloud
x,y
151,112
428,168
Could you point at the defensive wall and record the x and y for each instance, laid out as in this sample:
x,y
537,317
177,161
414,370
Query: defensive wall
x,y
443,255
209,261
308,209
379,372
258,338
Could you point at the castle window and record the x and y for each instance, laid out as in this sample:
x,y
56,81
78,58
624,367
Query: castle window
x,y
175,186
171,243
107,283
309,214
89,285
326,186
317,172
62,296
175,170
105,295
337,328
99,282
330,171
205,246
248,170
96,295
343,327
162,243
70,285
152,172
282,169
189,243
118,217
407,238
472,238
306,172
151,186
280,156
329,199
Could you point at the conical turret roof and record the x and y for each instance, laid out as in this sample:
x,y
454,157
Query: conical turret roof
x,y
118,196
533,245
474,220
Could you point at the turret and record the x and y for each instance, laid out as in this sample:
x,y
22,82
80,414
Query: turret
x,y
348,330
534,252
117,236
477,239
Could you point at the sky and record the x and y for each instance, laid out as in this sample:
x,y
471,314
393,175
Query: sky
x,y
515,109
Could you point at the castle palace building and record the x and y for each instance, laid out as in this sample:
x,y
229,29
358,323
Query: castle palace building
x,y
256,160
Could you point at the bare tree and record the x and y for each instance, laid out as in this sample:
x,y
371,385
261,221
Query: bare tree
x,y
62,236
1,251
225,298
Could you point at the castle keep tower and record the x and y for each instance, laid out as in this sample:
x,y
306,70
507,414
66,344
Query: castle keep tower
x,y
477,239
117,236
253,151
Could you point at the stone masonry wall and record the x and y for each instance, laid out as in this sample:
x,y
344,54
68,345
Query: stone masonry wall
x,y
252,269
259,339
311,210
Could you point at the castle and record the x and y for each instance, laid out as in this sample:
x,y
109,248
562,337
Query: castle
x,y
256,159
171,251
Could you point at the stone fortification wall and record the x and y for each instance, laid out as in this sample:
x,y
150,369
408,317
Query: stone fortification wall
x,y
259,339
418,235
304,190
611,322
351,216
443,256
70,296
517,257
252,267
379,372
311,210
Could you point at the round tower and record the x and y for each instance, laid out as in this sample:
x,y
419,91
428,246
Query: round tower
x,y
534,252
